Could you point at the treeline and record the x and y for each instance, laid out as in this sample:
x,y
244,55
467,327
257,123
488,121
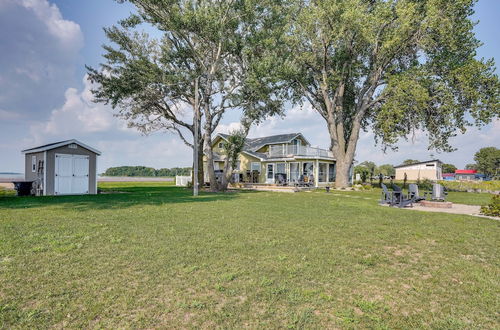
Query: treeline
x,y
146,171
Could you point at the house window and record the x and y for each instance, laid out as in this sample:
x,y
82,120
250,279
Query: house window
x,y
280,168
221,145
322,174
238,165
33,163
72,146
308,168
429,165
255,166
294,172
331,172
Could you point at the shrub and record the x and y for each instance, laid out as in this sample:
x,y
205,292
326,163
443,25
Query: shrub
x,y
471,185
493,208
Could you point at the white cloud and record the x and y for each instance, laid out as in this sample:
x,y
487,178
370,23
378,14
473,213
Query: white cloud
x,y
78,115
67,32
40,51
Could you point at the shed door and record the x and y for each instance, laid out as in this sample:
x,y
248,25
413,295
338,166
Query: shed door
x,y
71,174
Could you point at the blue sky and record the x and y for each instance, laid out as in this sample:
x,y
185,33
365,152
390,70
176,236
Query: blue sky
x,y
44,96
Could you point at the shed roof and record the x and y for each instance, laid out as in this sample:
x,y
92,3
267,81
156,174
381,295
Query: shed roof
x,y
59,144
428,161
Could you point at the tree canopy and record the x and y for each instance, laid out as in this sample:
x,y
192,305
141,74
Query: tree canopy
x,y
448,168
146,171
488,161
395,67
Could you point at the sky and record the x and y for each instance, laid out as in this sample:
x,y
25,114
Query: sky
x,y
45,96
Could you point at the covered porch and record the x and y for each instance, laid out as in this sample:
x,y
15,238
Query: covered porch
x,y
299,172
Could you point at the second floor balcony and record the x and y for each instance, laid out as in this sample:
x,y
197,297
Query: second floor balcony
x,y
288,150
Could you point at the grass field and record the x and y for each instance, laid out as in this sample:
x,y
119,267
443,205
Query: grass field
x,y
153,256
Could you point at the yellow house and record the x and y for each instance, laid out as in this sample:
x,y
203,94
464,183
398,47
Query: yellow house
x,y
278,159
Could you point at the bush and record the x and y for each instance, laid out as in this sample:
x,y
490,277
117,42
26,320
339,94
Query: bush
x,y
471,185
492,209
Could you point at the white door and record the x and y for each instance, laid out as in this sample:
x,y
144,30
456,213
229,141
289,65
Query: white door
x,y
71,174
269,173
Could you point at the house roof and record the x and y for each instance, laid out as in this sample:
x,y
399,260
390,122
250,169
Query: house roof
x,y
59,144
428,161
465,171
254,144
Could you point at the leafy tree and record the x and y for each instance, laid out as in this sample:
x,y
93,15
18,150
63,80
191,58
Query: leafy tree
x,y
209,59
146,171
488,161
370,166
232,148
363,171
471,167
410,161
387,170
393,66
448,168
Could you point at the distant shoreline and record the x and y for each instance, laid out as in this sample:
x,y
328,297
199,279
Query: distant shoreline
x,y
133,179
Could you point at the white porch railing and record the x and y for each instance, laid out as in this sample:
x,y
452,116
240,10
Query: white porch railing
x,y
288,150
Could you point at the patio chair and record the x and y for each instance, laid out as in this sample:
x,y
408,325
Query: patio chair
x,y
280,179
413,192
395,197
387,196
397,192
438,192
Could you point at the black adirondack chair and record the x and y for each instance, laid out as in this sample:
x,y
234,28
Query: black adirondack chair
x,y
387,196
395,197
413,192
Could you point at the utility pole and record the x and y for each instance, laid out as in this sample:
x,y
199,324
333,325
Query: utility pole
x,y
196,138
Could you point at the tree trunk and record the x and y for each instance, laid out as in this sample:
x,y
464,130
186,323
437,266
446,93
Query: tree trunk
x,y
342,172
210,155
226,177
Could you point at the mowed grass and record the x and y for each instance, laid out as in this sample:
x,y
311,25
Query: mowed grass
x,y
452,196
152,256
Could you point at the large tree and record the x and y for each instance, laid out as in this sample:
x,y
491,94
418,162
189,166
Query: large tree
x,y
205,60
392,66
488,161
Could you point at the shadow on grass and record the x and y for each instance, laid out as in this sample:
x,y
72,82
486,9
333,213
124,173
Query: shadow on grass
x,y
120,197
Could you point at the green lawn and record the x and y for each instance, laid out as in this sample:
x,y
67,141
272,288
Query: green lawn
x,y
455,197
153,256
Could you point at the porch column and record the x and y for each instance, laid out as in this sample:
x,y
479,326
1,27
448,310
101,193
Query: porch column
x,y
316,174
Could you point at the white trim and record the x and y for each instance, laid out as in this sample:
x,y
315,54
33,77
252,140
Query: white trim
x,y
274,172
88,174
95,192
61,144
251,166
249,154
45,173
33,164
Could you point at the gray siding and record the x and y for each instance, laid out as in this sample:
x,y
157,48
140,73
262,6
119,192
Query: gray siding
x,y
50,166
28,173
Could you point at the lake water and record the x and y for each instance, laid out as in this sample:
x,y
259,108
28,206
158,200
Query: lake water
x,y
10,175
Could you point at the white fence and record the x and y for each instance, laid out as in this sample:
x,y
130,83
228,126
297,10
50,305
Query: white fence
x,y
182,180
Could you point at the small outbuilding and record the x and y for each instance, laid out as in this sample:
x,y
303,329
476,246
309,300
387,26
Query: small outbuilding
x,y
62,168
430,170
